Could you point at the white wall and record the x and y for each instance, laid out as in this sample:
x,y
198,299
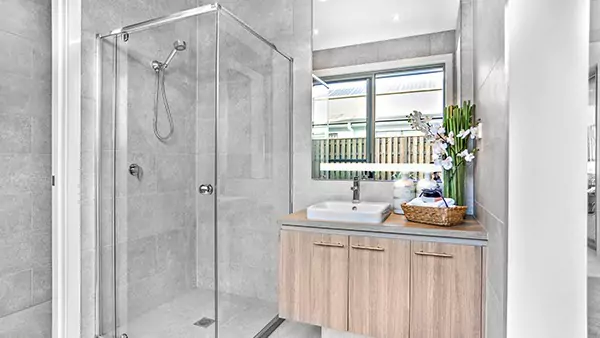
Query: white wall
x,y
547,57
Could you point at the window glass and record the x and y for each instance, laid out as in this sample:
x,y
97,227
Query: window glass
x,y
398,94
362,121
339,127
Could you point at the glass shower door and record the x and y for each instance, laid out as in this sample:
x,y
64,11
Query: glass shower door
x,y
253,177
196,169
163,235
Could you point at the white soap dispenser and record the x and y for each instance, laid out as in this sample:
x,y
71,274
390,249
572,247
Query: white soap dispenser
x,y
404,191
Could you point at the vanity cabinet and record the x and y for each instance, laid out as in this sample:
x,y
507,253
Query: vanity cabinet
x,y
446,290
313,278
379,287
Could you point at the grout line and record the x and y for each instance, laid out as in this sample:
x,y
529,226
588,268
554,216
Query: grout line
x,y
488,212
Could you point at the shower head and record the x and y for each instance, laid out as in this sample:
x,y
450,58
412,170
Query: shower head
x,y
178,46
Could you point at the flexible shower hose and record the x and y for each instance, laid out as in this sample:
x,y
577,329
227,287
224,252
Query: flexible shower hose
x,y
160,87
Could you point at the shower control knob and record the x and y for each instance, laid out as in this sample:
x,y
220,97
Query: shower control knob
x,y
136,171
206,189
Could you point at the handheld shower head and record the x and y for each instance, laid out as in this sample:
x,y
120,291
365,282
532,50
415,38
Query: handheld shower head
x,y
178,46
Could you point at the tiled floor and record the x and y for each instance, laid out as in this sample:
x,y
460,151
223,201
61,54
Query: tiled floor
x,y
239,317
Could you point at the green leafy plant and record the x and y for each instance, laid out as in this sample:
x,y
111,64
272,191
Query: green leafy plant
x,y
452,142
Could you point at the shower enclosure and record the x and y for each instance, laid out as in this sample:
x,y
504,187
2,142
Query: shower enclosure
x,y
193,168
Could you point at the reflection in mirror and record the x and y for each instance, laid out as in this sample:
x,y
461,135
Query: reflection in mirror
x,y
369,77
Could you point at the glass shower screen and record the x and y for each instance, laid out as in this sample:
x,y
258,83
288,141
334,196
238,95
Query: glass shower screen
x,y
194,170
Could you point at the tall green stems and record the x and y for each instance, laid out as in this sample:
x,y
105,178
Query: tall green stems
x,y
457,119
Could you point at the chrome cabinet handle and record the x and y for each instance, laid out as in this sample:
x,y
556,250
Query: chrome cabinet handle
x,y
206,189
335,245
370,248
433,254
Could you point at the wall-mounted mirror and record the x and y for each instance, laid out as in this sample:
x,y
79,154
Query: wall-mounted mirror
x,y
375,63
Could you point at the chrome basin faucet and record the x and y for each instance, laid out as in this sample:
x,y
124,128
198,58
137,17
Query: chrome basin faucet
x,y
356,190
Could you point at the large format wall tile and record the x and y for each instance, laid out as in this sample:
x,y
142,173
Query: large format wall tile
x,y
16,133
491,171
25,148
41,284
34,322
15,292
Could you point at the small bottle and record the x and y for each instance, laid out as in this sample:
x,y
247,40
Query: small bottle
x,y
404,191
426,183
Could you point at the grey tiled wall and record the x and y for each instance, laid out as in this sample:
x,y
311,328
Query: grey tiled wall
x,y
25,169
389,50
491,172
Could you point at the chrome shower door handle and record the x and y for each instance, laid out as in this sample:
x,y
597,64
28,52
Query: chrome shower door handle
x,y
206,189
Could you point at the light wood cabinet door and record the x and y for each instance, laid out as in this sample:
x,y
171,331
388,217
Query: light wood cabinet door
x,y
313,279
446,291
379,290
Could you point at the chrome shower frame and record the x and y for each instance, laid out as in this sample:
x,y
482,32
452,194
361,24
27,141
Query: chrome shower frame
x,y
141,26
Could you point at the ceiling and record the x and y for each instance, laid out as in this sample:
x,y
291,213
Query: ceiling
x,y
340,23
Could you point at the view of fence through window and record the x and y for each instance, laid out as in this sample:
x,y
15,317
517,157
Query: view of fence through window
x,y
363,119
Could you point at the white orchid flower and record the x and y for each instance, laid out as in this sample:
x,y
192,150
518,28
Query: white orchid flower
x,y
474,131
466,155
439,147
418,122
447,163
463,133
450,138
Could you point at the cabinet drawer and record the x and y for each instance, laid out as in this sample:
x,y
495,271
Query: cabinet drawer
x,y
446,290
313,279
379,287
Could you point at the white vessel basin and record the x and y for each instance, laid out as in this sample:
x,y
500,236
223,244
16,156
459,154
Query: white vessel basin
x,y
363,212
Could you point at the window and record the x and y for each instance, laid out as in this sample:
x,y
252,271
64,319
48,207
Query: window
x,y
361,121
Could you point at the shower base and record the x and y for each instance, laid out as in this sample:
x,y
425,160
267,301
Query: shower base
x,y
240,317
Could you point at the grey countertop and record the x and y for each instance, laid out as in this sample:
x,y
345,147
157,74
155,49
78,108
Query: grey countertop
x,y
394,224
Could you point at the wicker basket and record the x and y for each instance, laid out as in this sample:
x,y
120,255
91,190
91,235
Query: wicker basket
x,y
437,216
